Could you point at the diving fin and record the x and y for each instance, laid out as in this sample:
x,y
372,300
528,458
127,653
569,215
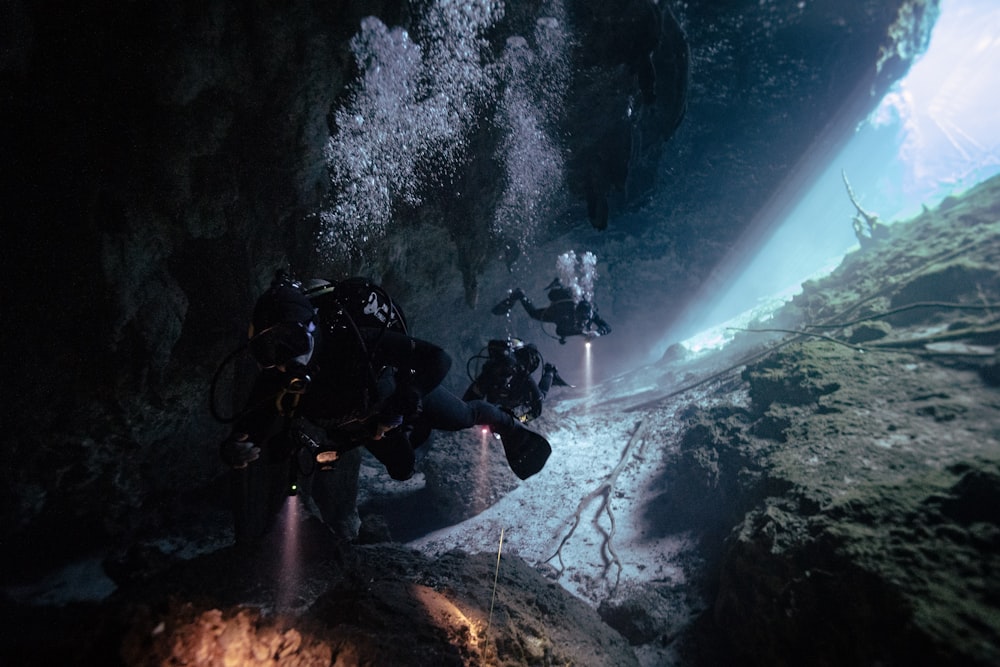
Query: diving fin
x,y
503,308
526,452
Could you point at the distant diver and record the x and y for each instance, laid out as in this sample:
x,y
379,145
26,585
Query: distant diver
x,y
570,299
572,318
506,379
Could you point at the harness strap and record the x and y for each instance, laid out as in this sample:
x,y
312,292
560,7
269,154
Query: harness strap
x,y
293,392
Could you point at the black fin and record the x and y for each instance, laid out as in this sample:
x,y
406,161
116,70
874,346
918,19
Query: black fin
x,y
526,452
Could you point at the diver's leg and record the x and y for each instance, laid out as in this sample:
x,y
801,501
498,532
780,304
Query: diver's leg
x,y
526,451
335,493
444,411
393,450
545,383
258,492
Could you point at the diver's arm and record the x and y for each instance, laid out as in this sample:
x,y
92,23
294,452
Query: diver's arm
x,y
261,409
418,363
252,427
534,397
473,392
603,327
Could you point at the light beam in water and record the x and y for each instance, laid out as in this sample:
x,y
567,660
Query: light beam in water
x,y
288,577
486,440
933,134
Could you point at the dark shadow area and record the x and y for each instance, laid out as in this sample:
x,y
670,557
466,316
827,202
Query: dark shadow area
x,y
407,516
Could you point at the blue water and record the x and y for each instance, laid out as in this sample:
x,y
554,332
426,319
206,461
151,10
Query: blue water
x,y
934,134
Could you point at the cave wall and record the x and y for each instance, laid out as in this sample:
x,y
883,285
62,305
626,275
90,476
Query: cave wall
x,y
164,158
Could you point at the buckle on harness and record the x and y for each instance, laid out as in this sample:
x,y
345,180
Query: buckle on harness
x,y
298,383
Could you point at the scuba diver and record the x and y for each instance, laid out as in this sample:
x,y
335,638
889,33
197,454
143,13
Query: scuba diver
x,y
572,317
337,355
506,379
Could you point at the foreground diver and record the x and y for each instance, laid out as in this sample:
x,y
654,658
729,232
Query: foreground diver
x,y
506,379
337,356
571,317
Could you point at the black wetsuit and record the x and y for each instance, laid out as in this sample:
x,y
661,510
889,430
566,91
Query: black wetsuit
x,y
561,311
504,382
392,378
358,380
572,318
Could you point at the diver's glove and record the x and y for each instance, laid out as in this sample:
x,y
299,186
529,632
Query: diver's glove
x,y
603,329
404,403
237,452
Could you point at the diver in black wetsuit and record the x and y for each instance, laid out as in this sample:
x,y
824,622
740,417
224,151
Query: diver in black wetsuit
x,y
363,384
506,378
571,317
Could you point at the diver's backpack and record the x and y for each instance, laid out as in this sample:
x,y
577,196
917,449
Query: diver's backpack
x,y
357,302
347,311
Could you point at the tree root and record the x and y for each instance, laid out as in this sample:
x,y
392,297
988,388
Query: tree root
x,y
798,335
608,554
